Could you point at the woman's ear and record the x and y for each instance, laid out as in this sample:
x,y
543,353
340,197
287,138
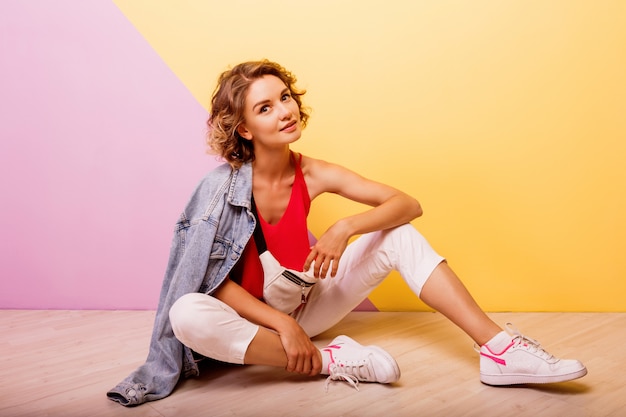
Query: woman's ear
x,y
243,132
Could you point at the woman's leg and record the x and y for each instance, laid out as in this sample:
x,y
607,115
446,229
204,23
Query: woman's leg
x,y
445,292
368,260
266,349
441,289
365,263
506,357
213,329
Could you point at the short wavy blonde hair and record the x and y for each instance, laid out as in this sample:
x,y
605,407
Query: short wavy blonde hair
x,y
227,108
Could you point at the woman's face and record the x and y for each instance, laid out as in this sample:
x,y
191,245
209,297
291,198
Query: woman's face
x,y
271,115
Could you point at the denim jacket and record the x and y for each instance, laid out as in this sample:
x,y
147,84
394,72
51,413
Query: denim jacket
x,y
209,238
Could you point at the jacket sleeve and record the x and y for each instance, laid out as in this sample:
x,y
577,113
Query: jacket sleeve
x,y
186,270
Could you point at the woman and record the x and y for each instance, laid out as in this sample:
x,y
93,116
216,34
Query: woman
x,y
215,303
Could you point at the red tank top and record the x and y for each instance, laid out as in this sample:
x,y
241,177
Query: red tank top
x,y
287,240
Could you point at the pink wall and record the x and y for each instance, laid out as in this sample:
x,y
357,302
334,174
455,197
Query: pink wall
x,y
100,146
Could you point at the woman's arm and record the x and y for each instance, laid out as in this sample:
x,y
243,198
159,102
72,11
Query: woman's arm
x,y
251,308
390,208
302,355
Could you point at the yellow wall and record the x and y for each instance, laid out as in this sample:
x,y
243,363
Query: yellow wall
x,y
507,120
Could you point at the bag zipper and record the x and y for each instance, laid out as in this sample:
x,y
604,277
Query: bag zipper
x,y
298,281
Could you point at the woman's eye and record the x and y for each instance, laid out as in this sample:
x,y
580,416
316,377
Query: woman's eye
x,y
264,109
286,96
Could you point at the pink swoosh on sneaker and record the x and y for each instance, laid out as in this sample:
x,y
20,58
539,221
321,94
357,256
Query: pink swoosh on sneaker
x,y
493,358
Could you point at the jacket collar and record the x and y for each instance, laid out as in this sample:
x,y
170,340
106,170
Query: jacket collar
x,y
241,186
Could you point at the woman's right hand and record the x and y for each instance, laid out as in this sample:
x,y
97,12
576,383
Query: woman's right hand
x,y
303,356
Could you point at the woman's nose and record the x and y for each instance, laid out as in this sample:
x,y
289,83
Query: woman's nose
x,y
285,111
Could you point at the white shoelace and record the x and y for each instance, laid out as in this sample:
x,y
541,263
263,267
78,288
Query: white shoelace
x,y
338,373
527,343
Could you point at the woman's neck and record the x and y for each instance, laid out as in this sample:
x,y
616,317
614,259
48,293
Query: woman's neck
x,y
272,180
273,165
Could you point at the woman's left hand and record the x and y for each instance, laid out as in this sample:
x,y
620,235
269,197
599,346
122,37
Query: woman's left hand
x,y
327,251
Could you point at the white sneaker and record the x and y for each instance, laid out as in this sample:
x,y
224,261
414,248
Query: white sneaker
x,y
353,362
511,358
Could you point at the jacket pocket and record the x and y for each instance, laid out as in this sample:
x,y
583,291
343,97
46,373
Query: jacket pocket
x,y
219,249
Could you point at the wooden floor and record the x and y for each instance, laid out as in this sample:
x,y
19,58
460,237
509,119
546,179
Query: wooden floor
x,y
61,363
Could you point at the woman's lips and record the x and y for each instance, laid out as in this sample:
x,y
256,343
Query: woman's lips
x,y
290,127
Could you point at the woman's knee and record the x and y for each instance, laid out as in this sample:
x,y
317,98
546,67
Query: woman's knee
x,y
187,313
405,231
398,241
211,327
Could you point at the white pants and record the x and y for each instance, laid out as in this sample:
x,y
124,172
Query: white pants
x,y
215,330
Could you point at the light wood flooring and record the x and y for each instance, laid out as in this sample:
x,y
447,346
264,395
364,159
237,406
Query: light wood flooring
x,y
61,363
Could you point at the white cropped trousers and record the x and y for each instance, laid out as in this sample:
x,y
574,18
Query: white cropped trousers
x,y
215,330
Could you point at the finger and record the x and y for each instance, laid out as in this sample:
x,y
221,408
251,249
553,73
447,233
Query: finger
x,y
292,362
316,363
309,259
335,268
317,266
325,266
306,366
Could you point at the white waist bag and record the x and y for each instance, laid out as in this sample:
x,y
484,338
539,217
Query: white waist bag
x,y
283,289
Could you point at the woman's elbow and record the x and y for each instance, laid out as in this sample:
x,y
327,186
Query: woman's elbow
x,y
414,208
417,209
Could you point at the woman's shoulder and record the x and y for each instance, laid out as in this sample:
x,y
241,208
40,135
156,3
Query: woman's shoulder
x,y
315,165
322,176
313,168
221,181
319,167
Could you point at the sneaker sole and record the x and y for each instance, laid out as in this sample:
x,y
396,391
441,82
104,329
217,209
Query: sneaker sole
x,y
388,358
530,379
